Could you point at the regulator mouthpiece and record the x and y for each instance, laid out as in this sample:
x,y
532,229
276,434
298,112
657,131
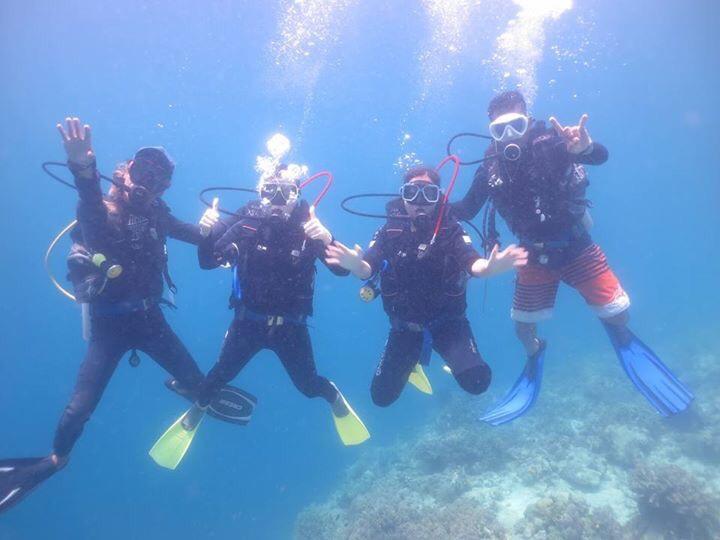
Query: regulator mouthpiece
x,y
512,152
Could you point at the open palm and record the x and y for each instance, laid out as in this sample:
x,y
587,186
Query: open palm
x,y
77,140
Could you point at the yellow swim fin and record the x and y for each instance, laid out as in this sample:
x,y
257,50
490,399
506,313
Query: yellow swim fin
x,y
351,429
419,380
170,449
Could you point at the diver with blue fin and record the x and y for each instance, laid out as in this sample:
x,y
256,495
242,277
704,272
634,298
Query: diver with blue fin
x,y
118,267
422,259
534,177
272,245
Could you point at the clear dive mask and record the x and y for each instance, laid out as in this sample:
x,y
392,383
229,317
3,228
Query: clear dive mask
x,y
411,192
509,127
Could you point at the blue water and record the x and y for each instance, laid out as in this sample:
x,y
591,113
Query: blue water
x,y
198,78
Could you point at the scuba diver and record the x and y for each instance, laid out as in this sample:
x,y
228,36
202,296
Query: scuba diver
x,y
118,266
534,177
422,260
272,244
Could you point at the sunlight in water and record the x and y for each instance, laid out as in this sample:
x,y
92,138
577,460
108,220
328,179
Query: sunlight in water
x,y
520,48
307,30
448,21
278,146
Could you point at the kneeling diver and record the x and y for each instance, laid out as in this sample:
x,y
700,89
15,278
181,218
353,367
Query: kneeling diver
x,y
422,281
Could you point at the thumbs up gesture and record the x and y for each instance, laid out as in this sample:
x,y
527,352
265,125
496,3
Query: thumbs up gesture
x,y
209,218
315,230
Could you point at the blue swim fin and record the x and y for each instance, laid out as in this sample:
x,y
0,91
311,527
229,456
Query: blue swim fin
x,y
523,393
646,371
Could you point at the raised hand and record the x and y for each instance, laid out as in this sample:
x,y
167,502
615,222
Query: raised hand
x,y
577,139
338,254
209,218
500,261
77,140
315,230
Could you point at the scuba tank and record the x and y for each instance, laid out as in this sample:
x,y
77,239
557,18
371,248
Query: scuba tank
x,y
89,273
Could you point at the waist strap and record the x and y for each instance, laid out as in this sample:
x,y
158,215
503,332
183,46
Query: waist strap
x,y
126,306
245,314
426,330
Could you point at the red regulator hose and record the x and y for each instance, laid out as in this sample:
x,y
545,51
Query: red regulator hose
x,y
455,159
325,188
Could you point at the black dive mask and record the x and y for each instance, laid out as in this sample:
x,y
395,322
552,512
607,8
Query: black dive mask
x,y
150,173
278,199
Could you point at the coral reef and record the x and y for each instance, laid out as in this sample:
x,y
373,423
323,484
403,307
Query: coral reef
x,y
674,503
593,462
568,517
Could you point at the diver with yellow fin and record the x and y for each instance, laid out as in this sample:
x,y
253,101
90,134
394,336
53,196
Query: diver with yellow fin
x,y
272,245
118,267
422,259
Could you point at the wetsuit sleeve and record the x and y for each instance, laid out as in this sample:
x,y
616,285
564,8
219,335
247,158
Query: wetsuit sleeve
x,y
183,231
597,155
375,253
232,244
476,197
92,214
463,250
208,257
319,251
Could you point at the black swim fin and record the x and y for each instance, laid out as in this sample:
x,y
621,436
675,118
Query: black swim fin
x,y
231,405
18,477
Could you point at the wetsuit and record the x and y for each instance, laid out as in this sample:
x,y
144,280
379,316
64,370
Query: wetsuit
x,y
274,278
541,197
425,299
125,312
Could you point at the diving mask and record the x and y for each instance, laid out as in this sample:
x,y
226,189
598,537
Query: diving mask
x,y
509,127
150,172
411,192
279,193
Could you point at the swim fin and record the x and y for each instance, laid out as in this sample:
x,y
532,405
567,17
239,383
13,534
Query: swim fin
x,y
231,405
171,447
419,380
647,372
523,393
18,477
351,429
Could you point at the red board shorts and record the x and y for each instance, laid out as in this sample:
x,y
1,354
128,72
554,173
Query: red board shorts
x,y
589,273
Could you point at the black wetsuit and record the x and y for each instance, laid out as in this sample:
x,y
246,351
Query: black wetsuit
x,y
274,265
424,298
541,196
125,312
